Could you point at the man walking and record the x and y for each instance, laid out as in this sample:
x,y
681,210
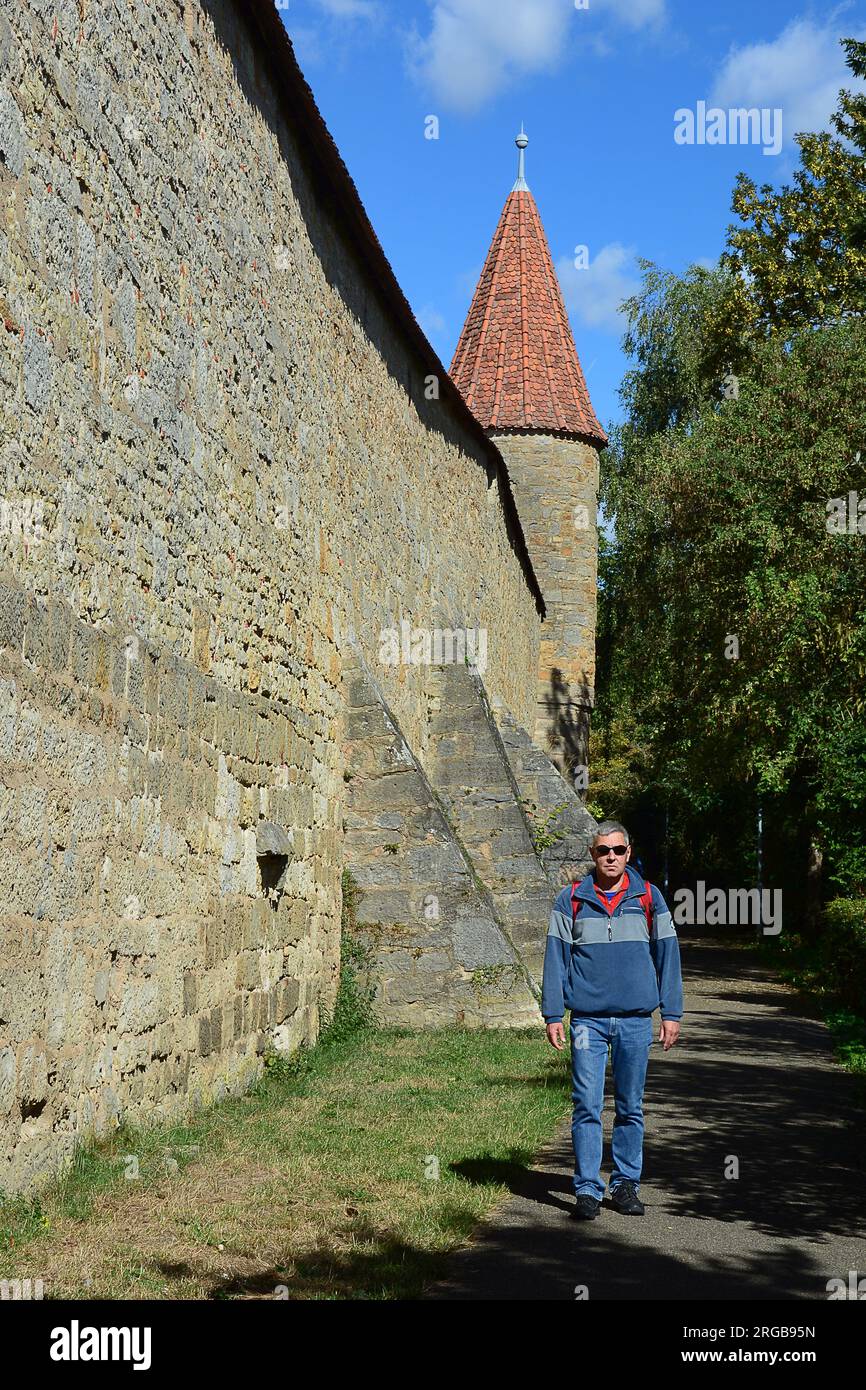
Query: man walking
x,y
612,958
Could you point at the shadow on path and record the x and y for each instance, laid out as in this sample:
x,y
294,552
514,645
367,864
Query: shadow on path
x,y
750,1089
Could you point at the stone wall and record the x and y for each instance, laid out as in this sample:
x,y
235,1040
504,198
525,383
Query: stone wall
x,y
217,459
453,884
441,946
142,969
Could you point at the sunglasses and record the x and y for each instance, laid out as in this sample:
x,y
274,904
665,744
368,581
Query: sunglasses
x,y
611,849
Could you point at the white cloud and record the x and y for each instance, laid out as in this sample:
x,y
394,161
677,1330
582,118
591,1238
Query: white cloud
x,y
305,42
350,9
595,294
635,13
468,279
430,320
332,37
475,47
801,71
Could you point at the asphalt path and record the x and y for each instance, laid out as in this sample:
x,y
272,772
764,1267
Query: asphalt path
x,y
752,1079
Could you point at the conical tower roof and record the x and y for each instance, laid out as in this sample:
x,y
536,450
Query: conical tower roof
x,y
516,364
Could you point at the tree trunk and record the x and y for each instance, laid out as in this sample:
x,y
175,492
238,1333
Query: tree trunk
x,y
814,869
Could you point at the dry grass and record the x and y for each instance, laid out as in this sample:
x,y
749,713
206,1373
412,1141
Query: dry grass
x,y
313,1186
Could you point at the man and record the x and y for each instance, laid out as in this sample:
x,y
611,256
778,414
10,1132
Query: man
x,y
612,968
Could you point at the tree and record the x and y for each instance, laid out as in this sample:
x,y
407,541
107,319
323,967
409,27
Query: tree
x,y
742,630
686,334
802,249
732,635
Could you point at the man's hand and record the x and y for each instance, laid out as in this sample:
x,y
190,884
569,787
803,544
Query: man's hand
x,y
556,1035
668,1033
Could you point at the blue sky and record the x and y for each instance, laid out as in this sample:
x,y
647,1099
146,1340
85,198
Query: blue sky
x,y
597,85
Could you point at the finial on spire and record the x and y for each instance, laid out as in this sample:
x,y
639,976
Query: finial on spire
x,y
521,142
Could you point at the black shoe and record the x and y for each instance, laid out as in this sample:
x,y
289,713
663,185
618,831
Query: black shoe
x,y
585,1207
625,1199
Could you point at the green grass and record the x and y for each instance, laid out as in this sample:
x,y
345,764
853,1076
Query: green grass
x,y
849,1035
320,1180
349,1170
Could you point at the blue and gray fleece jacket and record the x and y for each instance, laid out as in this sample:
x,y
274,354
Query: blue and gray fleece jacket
x,y
611,965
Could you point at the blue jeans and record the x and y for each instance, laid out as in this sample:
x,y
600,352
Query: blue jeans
x,y
630,1041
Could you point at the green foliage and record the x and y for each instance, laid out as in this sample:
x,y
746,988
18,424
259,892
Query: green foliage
x,y
353,1009
831,969
722,534
487,980
840,802
732,632
843,951
723,531
802,249
620,766
849,1035
540,825
354,1155
286,1068
21,1218
686,335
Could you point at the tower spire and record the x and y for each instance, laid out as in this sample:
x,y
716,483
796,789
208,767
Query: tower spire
x,y
522,140
516,363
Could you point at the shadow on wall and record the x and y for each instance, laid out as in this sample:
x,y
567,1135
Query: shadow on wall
x,y
568,710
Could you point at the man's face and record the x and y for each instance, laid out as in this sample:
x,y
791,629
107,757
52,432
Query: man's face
x,y
610,866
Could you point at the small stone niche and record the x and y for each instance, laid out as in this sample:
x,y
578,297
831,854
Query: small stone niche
x,y
273,853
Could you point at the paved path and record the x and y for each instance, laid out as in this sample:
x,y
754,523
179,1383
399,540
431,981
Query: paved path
x,y
752,1077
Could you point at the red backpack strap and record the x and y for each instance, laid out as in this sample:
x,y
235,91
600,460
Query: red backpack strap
x,y
574,888
646,900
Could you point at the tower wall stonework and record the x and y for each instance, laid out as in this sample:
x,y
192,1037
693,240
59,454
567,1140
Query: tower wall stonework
x,y
555,482
217,460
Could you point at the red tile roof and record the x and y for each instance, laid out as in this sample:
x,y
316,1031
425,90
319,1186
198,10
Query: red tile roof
x,y
516,363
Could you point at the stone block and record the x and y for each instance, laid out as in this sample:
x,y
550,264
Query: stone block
x,y
272,839
12,617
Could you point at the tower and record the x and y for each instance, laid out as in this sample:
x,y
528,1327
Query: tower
x,y
518,370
